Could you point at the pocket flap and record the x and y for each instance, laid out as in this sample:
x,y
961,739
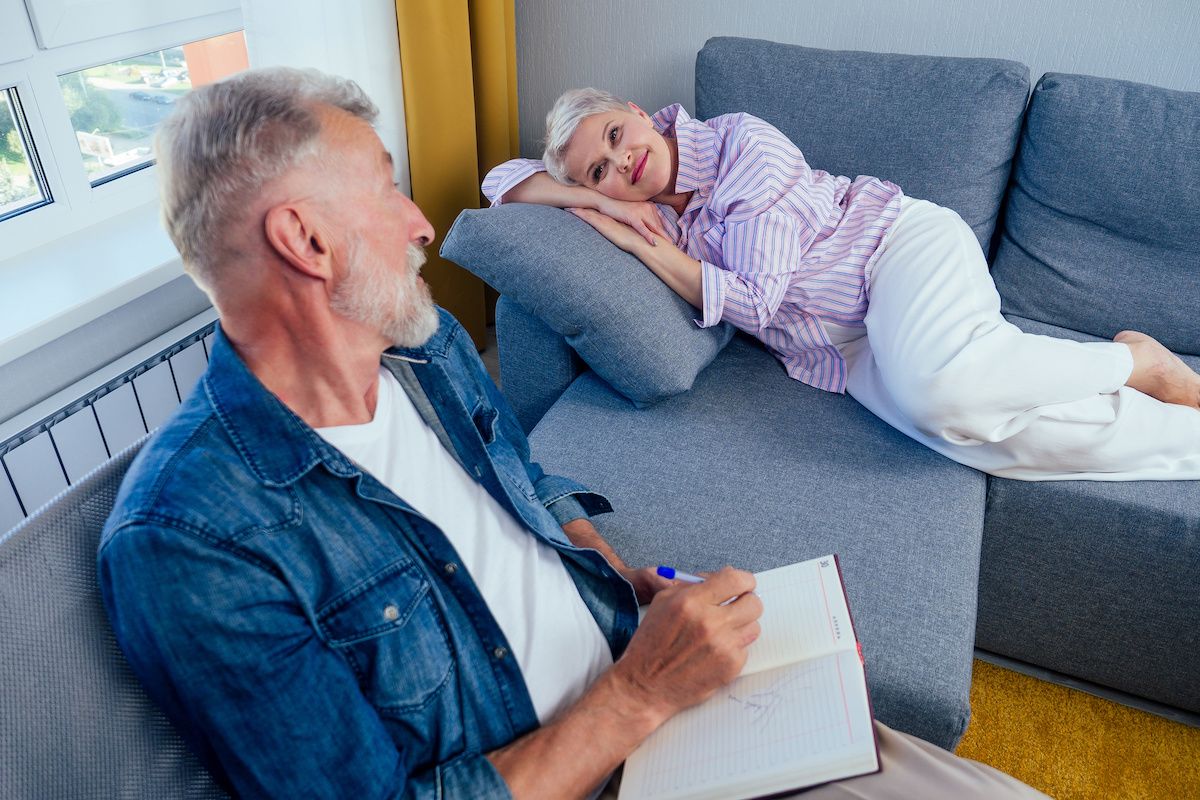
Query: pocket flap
x,y
379,605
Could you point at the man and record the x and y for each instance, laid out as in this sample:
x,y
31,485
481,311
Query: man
x,y
336,568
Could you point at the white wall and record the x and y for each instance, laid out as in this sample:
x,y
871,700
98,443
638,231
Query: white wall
x,y
60,363
357,40
646,51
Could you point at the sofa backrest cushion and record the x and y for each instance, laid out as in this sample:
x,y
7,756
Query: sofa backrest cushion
x,y
629,327
1102,227
943,129
74,721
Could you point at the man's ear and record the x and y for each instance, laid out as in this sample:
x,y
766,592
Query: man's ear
x,y
297,241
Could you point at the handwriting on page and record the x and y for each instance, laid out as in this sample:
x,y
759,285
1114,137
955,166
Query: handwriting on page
x,y
760,723
760,706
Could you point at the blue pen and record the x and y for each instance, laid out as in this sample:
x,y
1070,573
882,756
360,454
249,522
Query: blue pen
x,y
672,574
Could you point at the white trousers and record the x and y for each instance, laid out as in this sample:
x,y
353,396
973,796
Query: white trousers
x,y
939,363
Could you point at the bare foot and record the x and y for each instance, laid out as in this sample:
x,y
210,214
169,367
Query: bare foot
x,y
1160,373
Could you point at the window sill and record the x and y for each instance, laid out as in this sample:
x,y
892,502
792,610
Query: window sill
x,y
50,291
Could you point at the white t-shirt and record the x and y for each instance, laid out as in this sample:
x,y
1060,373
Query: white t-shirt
x,y
550,631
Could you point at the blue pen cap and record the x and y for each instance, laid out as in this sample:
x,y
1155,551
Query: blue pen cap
x,y
666,572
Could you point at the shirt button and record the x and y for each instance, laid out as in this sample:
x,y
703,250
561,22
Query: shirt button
x,y
450,568
500,653
391,613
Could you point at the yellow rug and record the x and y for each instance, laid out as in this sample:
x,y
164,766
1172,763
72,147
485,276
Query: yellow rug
x,y
1074,746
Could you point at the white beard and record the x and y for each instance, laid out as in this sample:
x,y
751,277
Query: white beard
x,y
397,306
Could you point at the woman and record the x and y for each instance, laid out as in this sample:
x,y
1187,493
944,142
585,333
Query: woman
x,y
857,288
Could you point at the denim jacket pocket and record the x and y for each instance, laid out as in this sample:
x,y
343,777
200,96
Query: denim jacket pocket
x,y
389,629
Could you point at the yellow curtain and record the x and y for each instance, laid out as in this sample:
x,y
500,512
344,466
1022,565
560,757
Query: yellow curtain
x,y
458,59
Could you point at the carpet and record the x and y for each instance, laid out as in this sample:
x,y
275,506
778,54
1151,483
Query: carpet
x,y
1074,746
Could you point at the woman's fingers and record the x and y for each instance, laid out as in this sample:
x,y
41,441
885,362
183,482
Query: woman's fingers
x,y
654,223
647,232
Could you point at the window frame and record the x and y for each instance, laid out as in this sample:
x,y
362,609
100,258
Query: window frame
x,y
16,107
77,205
60,23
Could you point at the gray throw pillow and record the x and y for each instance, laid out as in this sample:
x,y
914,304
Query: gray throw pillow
x,y
628,326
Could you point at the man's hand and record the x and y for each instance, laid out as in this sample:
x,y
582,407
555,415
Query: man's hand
x,y
691,642
643,217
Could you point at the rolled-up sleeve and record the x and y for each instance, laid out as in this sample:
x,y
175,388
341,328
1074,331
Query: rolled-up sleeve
x,y
712,287
504,177
470,776
760,255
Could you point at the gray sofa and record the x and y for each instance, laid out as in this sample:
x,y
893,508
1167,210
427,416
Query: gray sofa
x,y
1095,186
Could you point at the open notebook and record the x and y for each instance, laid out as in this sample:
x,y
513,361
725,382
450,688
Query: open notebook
x,y
798,715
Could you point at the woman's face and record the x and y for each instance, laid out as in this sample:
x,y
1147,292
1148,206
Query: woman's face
x,y
621,155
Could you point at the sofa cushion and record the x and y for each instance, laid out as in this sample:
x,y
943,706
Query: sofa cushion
x,y
942,128
1098,580
1102,228
755,469
623,321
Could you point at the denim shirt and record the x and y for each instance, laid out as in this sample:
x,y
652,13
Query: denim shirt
x,y
306,630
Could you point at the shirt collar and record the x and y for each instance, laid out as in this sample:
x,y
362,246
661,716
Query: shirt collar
x,y
699,148
277,445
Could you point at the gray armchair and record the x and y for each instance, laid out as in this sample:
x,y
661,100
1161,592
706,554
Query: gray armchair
x,y
74,722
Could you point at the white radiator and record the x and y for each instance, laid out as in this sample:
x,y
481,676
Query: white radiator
x,y
45,450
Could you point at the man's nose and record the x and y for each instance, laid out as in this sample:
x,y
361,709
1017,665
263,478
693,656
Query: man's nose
x,y
419,230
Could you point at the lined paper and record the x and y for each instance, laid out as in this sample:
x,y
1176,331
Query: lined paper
x,y
804,615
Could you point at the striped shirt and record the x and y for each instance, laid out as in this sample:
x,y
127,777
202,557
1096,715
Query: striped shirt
x,y
782,247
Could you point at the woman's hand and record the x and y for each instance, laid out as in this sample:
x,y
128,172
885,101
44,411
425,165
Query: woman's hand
x,y
617,232
674,267
641,216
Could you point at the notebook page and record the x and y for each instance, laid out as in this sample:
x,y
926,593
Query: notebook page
x,y
786,728
804,614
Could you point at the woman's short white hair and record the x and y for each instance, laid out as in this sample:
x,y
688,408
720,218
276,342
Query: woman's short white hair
x,y
563,120
228,140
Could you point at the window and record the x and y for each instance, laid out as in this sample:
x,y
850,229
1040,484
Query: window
x,y
22,182
78,115
115,108
79,228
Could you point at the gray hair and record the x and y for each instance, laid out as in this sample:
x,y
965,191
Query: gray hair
x,y
228,140
563,120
